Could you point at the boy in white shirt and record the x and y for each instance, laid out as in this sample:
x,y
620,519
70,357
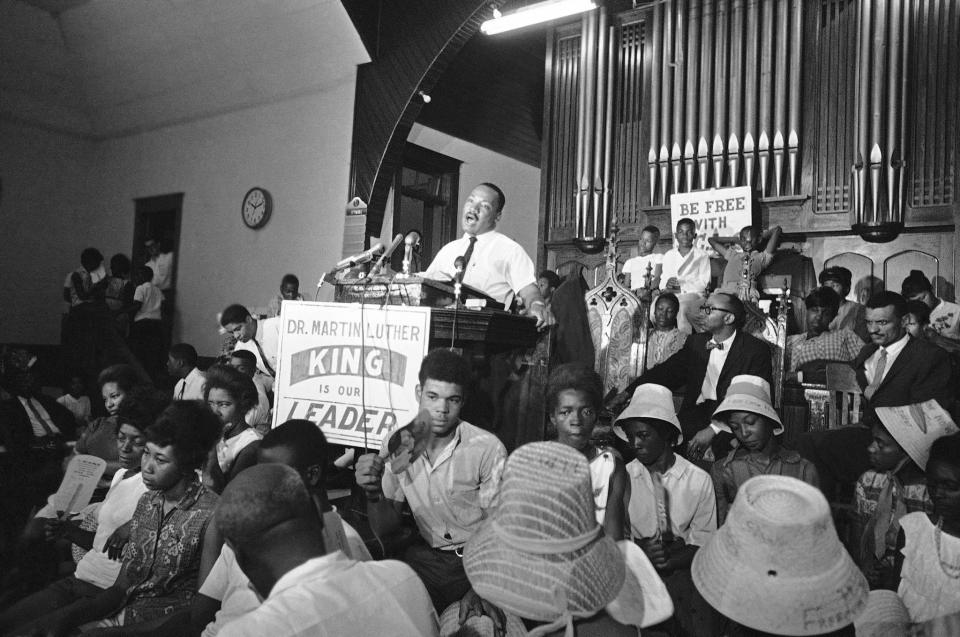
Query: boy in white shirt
x,y
635,268
686,273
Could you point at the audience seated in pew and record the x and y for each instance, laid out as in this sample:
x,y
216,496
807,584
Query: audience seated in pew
x,y
450,487
231,396
929,542
182,365
161,561
547,564
246,363
269,519
809,351
944,315
259,336
666,339
104,541
673,507
748,412
99,437
851,315
574,401
895,487
225,594
893,370
704,367
777,567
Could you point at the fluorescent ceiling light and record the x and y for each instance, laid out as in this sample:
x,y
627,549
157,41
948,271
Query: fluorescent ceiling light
x,y
535,14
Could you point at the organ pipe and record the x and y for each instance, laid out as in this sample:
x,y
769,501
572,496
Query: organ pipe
x,y
598,47
882,52
725,96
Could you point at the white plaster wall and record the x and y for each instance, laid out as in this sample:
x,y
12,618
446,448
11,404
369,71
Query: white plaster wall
x,y
520,182
45,211
61,195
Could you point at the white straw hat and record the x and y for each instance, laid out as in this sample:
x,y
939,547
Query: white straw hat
x,y
916,427
541,555
749,393
653,402
884,616
777,565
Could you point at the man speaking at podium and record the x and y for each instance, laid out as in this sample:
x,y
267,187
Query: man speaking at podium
x,y
492,262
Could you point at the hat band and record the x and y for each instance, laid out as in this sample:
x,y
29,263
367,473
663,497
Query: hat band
x,y
546,546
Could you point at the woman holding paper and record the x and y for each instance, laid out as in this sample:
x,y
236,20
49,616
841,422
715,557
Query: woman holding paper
x,y
100,533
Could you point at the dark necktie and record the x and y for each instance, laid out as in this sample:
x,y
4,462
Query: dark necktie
x,y
714,345
48,427
263,357
469,253
183,386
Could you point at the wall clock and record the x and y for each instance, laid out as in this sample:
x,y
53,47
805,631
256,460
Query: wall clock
x,y
256,208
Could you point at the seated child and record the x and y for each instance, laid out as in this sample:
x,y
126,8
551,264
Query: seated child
x,y
547,282
574,400
102,541
894,487
258,417
76,400
748,244
635,268
230,395
930,570
686,273
161,560
673,507
748,411
289,291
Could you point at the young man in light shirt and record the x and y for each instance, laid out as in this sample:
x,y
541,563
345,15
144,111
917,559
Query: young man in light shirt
x,y
182,364
686,273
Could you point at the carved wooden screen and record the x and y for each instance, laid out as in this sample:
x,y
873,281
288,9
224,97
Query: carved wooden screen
x,y
834,38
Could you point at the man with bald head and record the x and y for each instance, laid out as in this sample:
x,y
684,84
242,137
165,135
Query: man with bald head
x,y
267,516
705,366
493,263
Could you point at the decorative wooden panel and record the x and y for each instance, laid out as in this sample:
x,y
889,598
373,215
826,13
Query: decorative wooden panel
x,y
897,267
832,110
934,126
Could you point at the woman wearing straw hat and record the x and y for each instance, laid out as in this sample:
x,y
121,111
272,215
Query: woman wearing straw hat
x,y
777,566
542,557
574,400
673,508
749,413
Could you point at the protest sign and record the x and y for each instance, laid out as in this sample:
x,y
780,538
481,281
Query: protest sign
x,y
79,483
717,212
351,369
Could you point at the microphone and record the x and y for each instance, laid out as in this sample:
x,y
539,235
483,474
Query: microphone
x,y
412,239
458,265
364,257
397,240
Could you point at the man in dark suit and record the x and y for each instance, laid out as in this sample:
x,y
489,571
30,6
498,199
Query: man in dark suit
x,y
705,366
892,370
33,434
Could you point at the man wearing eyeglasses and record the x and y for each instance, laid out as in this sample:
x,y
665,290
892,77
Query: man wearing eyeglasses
x,y
705,365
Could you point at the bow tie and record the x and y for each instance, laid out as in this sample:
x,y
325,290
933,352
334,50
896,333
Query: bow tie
x,y
714,345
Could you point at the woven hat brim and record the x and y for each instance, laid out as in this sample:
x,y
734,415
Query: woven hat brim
x,y
780,605
526,585
741,402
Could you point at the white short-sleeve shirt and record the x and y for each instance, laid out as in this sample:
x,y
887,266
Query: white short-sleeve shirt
x,y
497,266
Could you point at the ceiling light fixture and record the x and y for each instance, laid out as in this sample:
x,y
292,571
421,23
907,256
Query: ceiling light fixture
x,y
535,14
